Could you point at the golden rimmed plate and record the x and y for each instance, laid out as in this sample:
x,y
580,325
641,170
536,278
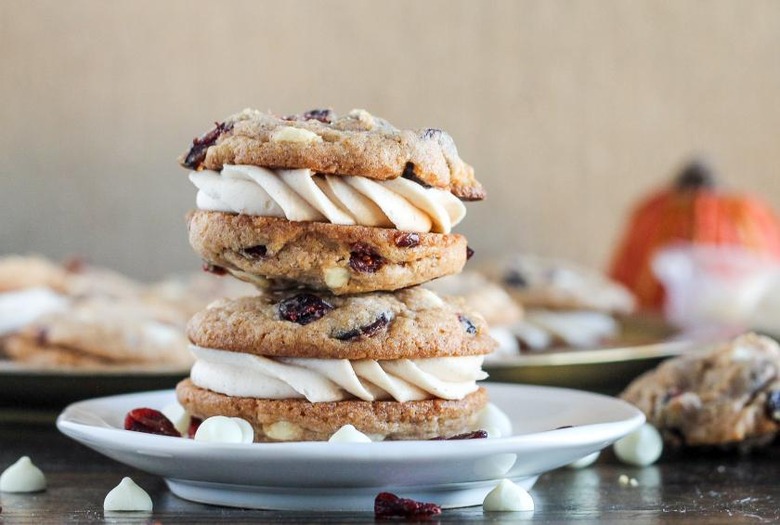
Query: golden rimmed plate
x,y
644,342
25,386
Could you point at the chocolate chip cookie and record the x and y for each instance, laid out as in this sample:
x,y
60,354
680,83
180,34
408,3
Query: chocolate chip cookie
x,y
728,396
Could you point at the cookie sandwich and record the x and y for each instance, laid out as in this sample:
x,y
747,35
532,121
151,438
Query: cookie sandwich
x,y
338,219
348,204
299,365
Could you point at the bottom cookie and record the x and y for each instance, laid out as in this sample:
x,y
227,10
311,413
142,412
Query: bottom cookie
x,y
301,420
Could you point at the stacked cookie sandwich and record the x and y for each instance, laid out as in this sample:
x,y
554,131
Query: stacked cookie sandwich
x,y
336,219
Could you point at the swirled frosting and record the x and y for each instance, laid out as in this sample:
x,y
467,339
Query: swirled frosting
x,y
246,375
300,195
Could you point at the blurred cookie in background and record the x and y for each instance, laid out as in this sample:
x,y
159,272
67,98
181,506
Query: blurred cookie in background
x,y
76,314
192,292
99,332
490,300
566,305
725,397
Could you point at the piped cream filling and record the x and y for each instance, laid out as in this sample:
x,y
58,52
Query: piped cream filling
x,y
300,195
246,375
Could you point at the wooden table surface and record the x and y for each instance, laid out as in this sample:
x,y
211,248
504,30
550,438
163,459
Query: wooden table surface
x,y
682,488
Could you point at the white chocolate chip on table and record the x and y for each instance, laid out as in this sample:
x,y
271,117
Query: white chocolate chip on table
x,y
22,476
640,448
127,497
508,497
585,461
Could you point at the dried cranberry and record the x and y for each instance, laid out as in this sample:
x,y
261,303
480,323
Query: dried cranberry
x,y
323,115
515,279
369,330
388,505
431,133
773,405
213,268
255,252
42,337
200,145
477,434
303,308
469,252
409,174
364,259
468,326
670,394
407,239
75,264
150,421
193,427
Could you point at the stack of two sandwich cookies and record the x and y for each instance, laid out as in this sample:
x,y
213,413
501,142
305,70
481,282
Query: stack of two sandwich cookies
x,y
337,219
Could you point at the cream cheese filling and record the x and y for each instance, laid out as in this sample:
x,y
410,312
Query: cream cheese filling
x,y
301,195
246,375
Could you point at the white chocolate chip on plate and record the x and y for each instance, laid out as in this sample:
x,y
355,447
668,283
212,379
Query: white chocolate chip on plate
x,y
222,429
349,434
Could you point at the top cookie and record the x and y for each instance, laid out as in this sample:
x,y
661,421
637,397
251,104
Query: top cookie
x,y
354,144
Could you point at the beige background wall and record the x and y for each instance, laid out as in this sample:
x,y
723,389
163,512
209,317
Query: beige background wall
x,y
569,110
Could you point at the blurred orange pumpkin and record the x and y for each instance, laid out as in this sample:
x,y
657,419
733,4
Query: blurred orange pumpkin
x,y
691,209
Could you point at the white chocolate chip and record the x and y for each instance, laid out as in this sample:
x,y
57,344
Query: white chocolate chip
x,y
127,497
291,134
585,461
22,476
508,497
623,480
640,448
633,482
492,432
282,431
336,277
493,417
222,429
349,434
429,300
363,116
179,416
247,432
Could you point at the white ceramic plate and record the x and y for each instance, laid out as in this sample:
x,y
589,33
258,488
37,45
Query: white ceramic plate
x,y
347,476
